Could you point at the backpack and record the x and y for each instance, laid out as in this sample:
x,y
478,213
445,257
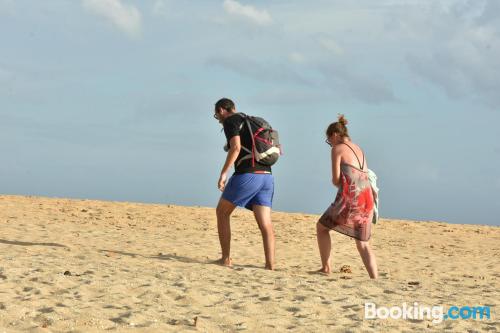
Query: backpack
x,y
266,148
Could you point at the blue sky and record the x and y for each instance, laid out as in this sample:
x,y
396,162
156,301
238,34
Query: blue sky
x,y
113,99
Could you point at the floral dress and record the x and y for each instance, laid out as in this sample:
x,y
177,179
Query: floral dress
x,y
352,211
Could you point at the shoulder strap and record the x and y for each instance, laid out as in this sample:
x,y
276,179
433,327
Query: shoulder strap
x,y
244,117
359,163
250,153
247,121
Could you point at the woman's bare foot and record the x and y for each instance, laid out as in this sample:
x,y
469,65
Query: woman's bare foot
x,y
228,262
324,270
270,267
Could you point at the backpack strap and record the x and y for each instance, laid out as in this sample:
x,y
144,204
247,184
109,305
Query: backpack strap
x,y
247,121
246,157
250,153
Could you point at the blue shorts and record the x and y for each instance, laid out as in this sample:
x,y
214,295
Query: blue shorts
x,y
248,189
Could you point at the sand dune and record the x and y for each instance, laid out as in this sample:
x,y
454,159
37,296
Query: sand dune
x,y
145,267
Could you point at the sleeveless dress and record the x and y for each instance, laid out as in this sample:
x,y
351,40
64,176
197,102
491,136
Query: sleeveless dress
x,y
352,211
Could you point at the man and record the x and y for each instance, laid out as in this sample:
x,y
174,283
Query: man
x,y
251,186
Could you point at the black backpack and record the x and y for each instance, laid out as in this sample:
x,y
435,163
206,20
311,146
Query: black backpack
x,y
266,148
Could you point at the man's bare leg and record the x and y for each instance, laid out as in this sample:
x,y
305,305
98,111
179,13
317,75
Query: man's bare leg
x,y
325,247
223,211
263,217
368,258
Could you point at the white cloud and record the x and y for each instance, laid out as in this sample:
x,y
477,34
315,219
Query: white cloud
x,y
296,57
331,45
160,7
449,45
459,50
4,73
261,71
125,17
347,82
260,17
6,7
6,81
427,172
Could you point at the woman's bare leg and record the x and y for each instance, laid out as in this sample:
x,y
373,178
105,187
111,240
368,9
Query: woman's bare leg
x,y
368,257
325,247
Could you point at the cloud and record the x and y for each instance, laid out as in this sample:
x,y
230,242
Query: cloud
x,y
4,73
296,57
331,45
292,98
151,107
6,82
346,82
260,17
460,50
452,46
261,71
5,3
160,7
490,13
125,17
334,78
427,172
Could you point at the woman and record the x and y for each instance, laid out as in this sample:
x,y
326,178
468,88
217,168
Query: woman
x,y
352,211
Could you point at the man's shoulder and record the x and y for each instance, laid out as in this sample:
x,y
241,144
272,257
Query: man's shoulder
x,y
234,120
236,117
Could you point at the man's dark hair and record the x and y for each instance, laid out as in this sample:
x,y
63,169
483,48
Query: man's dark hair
x,y
226,104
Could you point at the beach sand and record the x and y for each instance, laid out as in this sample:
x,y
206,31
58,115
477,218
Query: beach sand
x,y
146,267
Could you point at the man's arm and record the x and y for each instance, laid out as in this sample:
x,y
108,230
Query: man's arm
x,y
232,155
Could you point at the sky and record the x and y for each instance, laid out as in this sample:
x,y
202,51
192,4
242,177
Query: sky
x,y
113,99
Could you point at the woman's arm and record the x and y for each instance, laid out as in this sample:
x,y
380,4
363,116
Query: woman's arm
x,y
336,166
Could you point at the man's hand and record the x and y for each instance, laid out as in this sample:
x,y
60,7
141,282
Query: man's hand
x,y
222,181
232,156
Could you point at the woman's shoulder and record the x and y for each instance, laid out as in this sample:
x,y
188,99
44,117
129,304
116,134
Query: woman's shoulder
x,y
354,145
357,148
338,149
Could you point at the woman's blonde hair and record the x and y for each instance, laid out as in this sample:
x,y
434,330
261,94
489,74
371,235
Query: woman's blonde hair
x,y
339,127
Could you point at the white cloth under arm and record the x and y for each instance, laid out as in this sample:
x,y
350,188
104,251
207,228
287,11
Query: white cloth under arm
x,y
373,182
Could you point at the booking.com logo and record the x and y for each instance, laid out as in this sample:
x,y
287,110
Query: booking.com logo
x,y
421,312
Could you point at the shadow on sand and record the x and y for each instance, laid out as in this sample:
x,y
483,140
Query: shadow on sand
x,y
175,257
123,253
3,241
161,256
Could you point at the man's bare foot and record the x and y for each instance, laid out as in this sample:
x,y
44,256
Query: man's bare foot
x,y
228,262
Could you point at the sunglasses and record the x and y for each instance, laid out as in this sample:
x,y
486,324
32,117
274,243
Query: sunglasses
x,y
328,142
216,114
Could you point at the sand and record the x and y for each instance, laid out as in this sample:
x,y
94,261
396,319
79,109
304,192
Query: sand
x,y
146,268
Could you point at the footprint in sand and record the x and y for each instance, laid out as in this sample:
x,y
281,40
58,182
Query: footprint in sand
x,y
293,309
46,310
